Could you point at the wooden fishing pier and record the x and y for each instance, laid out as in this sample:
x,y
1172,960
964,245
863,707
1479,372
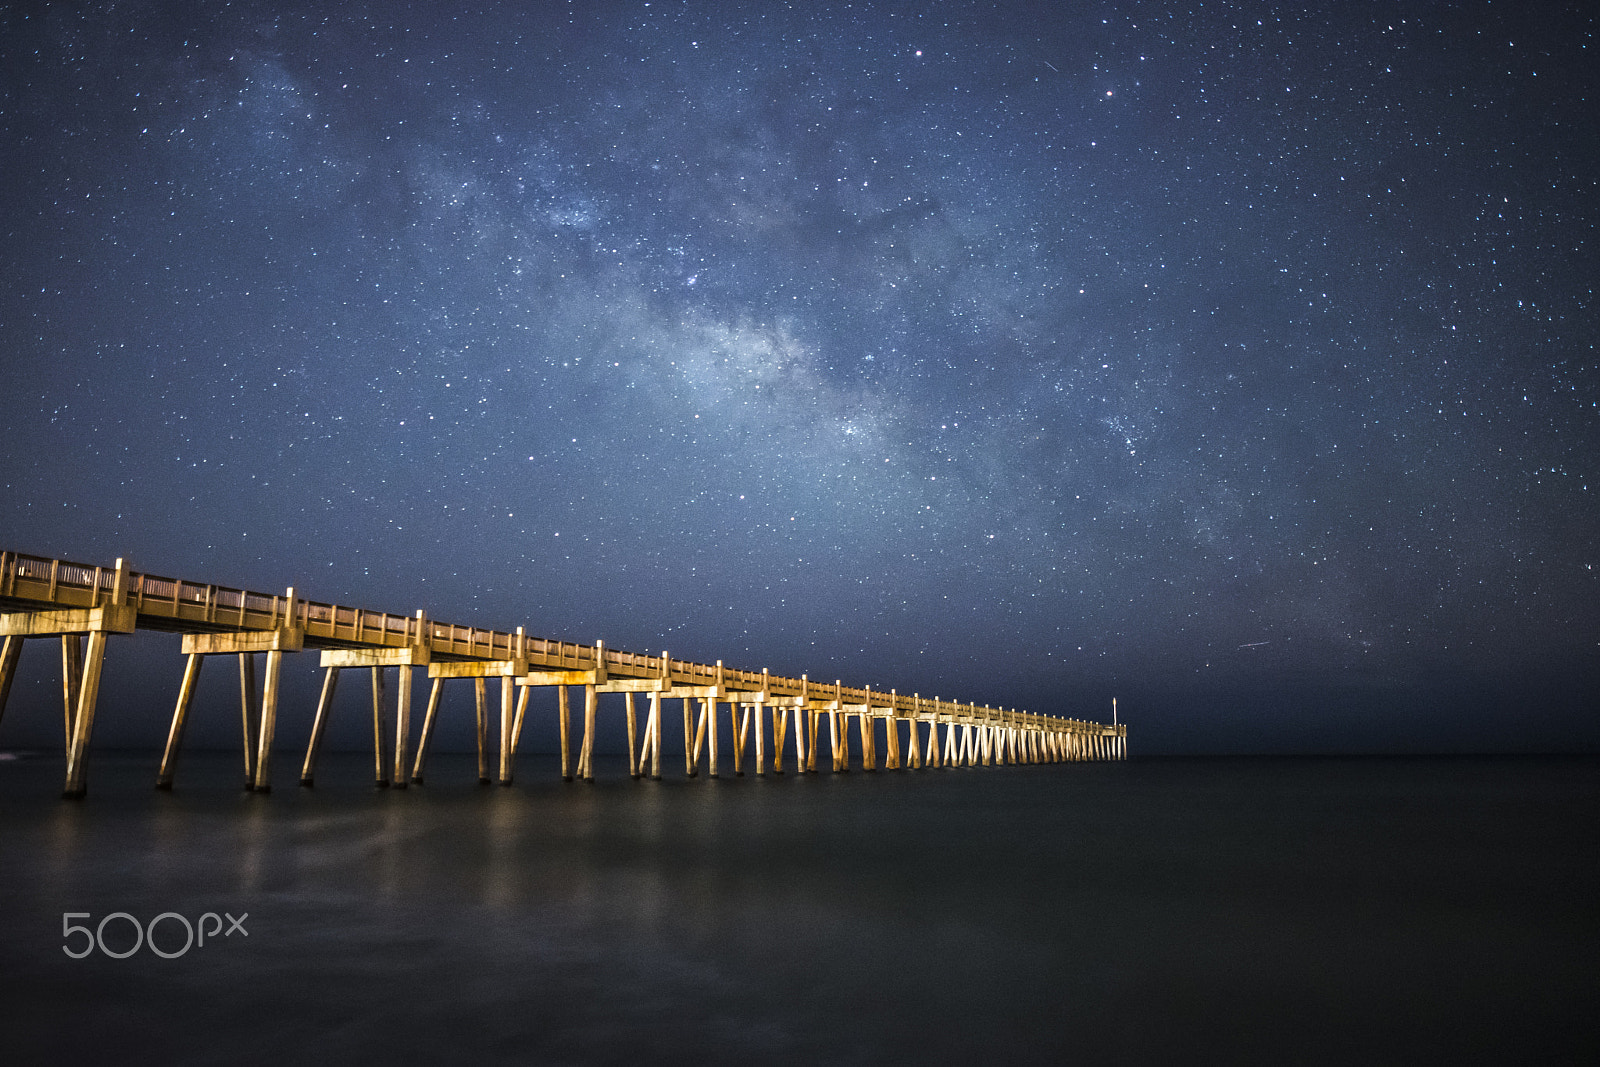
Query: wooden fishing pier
x,y
84,605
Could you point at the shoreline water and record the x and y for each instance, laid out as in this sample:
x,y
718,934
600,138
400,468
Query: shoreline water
x,y
1242,909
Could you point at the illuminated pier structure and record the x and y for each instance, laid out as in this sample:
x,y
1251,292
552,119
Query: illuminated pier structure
x,y
82,604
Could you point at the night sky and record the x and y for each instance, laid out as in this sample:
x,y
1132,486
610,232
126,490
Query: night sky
x,y
1235,360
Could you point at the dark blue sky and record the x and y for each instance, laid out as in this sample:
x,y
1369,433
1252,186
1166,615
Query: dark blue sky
x,y
1233,359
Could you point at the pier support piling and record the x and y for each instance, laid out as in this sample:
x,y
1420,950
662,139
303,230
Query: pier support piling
x,y
518,718
71,678
632,725
655,736
709,719
508,743
83,724
591,702
10,653
249,717
739,716
778,719
380,730
564,713
689,746
319,725
761,714
180,719
481,703
402,728
267,723
428,720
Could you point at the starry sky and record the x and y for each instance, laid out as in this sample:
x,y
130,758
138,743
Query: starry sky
x,y
1233,359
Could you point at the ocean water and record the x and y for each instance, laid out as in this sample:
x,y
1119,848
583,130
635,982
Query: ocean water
x,y
1230,910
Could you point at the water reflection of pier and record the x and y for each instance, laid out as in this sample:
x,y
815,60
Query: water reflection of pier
x,y
766,716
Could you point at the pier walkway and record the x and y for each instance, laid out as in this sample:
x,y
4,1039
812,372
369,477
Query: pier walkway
x,y
84,605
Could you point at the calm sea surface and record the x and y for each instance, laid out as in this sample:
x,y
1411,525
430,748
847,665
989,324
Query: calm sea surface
x,y
1257,910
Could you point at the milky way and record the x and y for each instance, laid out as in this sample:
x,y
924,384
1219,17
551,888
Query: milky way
x,y
1236,360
